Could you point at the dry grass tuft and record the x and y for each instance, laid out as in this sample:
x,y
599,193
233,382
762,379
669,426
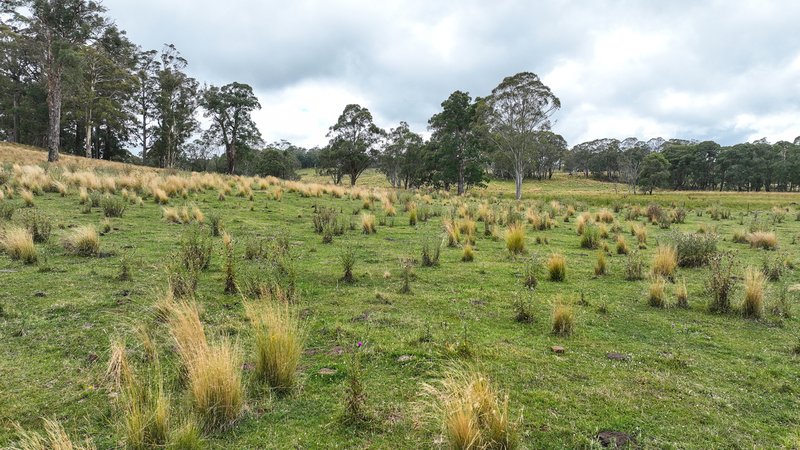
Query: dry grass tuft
x,y
754,286
17,242
515,239
279,343
763,239
657,295
367,223
563,320
665,261
54,438
557,267
82,241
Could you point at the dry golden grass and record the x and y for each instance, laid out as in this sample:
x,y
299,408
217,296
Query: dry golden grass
x,y
665,261
604,216
754,286
54,438
471,413
515,239
171,215
682,294
17,242
601,268
367,223
279,343
563,320
467,253
198,215
622,245
453,234
657,295
27,197
557,267
82,241
763,239
640,232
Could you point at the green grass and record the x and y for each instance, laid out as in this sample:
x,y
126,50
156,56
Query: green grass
x,y
694,379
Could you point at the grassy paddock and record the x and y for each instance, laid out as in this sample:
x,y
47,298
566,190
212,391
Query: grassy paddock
x,y
691,379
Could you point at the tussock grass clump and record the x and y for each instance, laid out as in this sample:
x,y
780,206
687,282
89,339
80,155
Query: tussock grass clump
x,y
472,414
754,286
348,260
368,223
430,258
467,254
82,241
604,216
590,239
196,249
557,267
198,215
171,215
38,224
230,270
278,341
213,371
453,233
773,268
18,244
657,292
601,268
682,294
694,249
634,267
215,224
27,197
160,196
583,221
721,282
515,239
113,206
54,438
622,245
739,237
665,261
763,239
641,234
563,320
529,278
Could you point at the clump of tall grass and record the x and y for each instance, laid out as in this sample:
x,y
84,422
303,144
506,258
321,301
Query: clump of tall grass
x,y
453,233
38,224
215,224
529,278
557,267
196,249
406,273
430,258
82,241
278,341
604,216
682,294
601,268
634,267
27,197
773,268
721,282
590,238
622,245
763,239
160,196
467,254
367,223
515,238
213,371
471,413
641,234
17,242
113,206
665,261
657,295
230,270
754,286
171,215
54,438
583,221
348,260
563,320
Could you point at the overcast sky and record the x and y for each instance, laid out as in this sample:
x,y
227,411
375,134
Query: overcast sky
x,y
722,70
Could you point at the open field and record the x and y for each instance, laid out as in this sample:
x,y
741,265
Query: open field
x,y
683,377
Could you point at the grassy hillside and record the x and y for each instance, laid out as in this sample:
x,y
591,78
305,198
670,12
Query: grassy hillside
x,y
672,377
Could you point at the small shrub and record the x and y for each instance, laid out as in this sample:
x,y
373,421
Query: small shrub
x,y
412,217
694,249
113,206
634,267
355,397
230,272
407,273
7,210
82,241
601,268
754,286
515,238
17,242
721,282
763,239
773,268
665,261
125,269
590,239
563,320
782,306
657,296
196,249
682,294
279,343
467,254
522,309
557,267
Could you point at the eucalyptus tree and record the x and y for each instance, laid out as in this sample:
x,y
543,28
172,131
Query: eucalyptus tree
x,y
400,158
518,107
353,145
176,103
230,107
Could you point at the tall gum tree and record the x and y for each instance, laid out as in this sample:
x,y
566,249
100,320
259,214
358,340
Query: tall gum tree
x,y
229,107
518,107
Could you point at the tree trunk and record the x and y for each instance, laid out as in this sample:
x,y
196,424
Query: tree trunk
x,y
518,183
230,152
88,142
460,178
54,112
15,120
